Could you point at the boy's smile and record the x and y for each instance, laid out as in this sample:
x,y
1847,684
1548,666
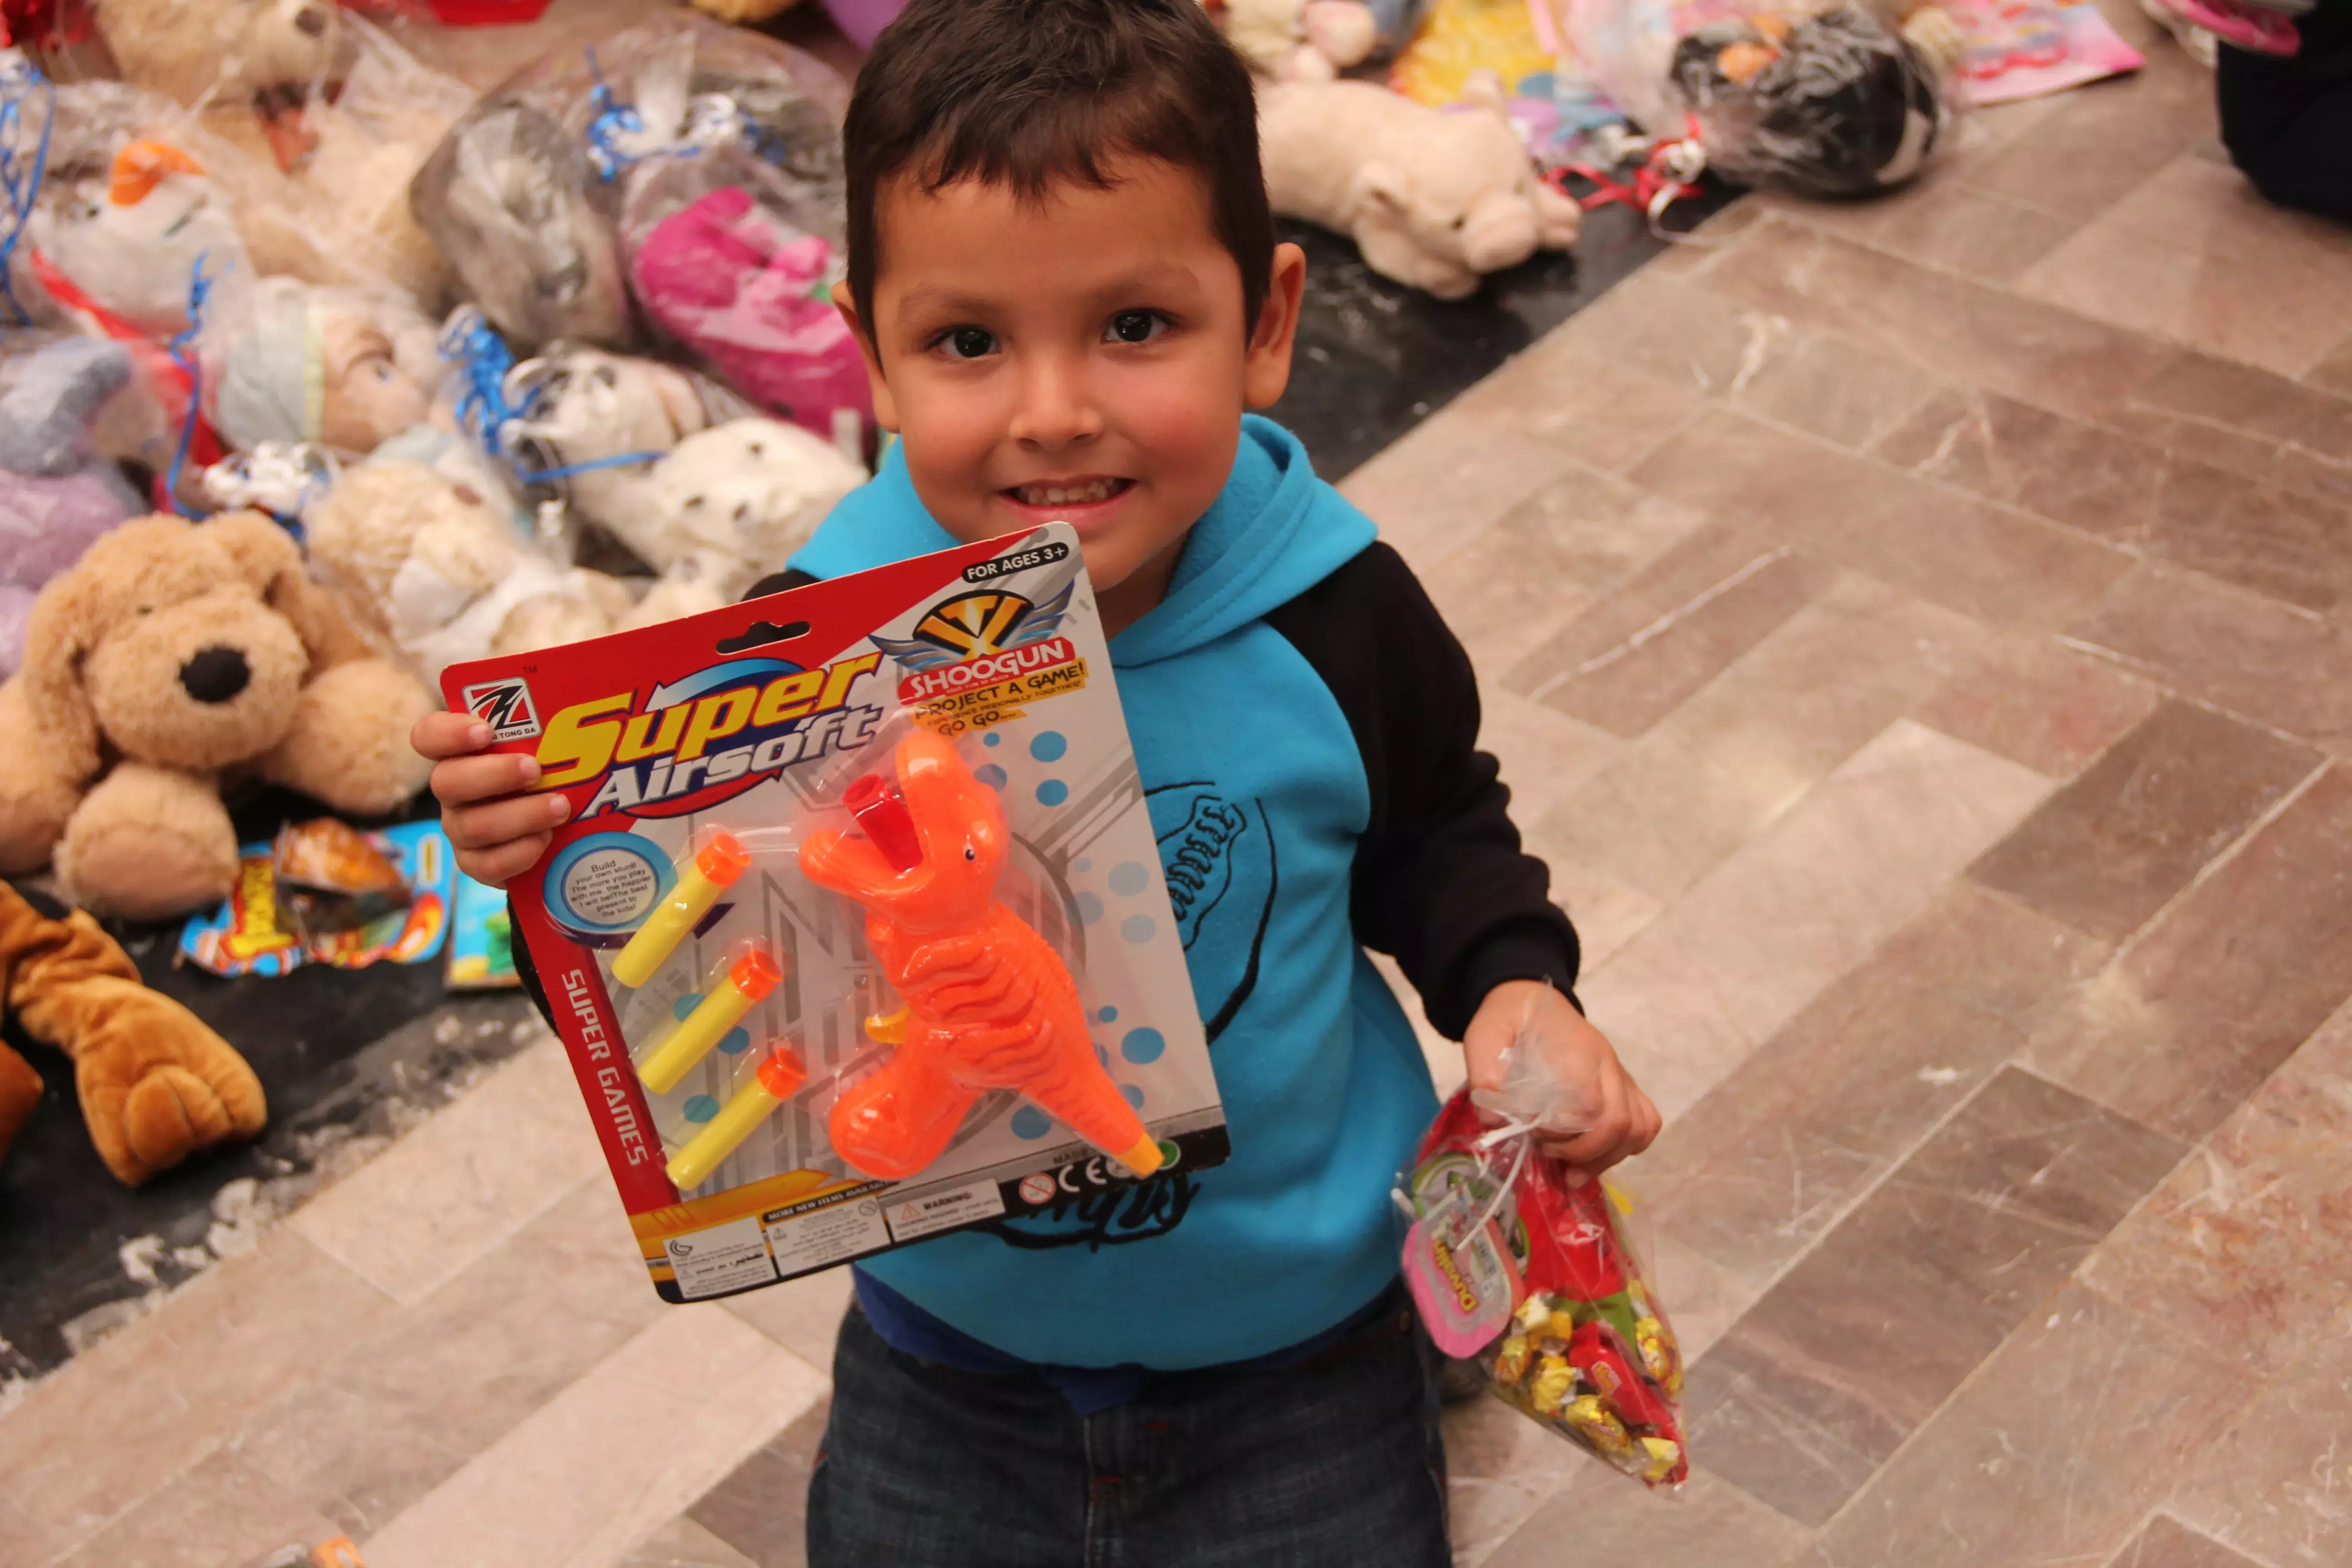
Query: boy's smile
x,y
1078,357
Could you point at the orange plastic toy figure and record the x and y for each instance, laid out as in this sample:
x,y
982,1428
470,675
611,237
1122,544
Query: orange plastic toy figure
x,y
988,1004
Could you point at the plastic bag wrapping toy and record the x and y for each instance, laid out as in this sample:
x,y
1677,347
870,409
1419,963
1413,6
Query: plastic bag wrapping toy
x,y
525,192
331,207
1830,99
1537,1278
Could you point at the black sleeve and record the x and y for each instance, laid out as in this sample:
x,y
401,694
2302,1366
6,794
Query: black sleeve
x,y
1441,881
528,971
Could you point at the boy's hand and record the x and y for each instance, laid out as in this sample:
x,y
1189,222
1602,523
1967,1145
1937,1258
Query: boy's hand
x,y
498,835
1616,1118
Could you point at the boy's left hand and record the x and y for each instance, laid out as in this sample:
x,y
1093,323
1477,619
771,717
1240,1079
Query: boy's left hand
x,y
1620,1120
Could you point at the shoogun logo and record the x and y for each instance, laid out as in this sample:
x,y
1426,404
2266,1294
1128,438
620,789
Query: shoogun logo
x,y
975,625
506,707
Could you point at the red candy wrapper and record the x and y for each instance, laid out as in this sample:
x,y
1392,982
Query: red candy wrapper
x,y
1535,1280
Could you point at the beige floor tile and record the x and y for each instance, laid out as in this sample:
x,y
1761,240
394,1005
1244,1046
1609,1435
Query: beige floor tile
x,y
2168,1543
1602,1517
802,1315
1677,1027
2051,1454
394,1411
159,1395
1499,1468
1545,755
1764,931
612,1458
2245,1247
466,1181
2274,1485
222,1511
1604,412
1453,474
1942,221
2034,700
682,1543
2334,371
1607,911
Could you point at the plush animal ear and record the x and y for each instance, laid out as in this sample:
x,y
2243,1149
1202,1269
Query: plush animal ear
x,y
58,635
268,559
1380,188
678,399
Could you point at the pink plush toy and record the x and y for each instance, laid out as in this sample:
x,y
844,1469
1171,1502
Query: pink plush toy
x,y
751,296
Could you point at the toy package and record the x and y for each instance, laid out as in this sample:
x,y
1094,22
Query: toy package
x,y
2024,48
324,892
1535,1278
1830,98
481,940
856,930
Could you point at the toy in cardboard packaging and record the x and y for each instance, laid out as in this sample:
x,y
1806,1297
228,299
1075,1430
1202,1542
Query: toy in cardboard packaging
x,y
1515,1265
822,931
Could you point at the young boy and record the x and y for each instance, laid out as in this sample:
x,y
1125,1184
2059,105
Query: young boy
x,y
1063,272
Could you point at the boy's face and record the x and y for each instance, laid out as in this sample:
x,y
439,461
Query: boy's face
x,y
1082,358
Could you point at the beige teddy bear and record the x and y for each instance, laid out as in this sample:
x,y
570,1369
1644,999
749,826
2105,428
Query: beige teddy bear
x,y
261,55
437,569
172,655
1434,198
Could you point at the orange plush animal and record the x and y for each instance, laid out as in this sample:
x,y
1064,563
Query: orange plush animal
x,y
988,1003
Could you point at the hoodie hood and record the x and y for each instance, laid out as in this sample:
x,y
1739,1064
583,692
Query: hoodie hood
x,y
1272,532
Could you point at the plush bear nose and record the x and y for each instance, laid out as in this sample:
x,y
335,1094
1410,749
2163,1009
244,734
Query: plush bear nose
x,y
311,21
215,675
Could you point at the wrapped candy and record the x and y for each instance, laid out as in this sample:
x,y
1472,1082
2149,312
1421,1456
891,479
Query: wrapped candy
x,y
1532,1275
1830,98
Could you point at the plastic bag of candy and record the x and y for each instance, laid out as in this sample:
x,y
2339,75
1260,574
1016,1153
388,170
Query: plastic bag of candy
x,y
1830,98
1535,1276
525,192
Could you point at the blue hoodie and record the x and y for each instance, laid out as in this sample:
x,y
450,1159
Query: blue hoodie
x,y
1304,728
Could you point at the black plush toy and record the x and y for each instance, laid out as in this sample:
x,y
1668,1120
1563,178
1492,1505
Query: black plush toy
x,y
1836,104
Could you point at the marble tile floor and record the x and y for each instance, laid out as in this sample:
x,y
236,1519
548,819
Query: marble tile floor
x,y
1919,639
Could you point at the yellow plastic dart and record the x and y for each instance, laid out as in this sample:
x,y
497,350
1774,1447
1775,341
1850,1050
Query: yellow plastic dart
x,y
770,1086
711,872
751,977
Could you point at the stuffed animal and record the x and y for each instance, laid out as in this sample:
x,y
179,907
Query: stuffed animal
x,y
740,288
146,239
332,366
173,654
727,507
1314,41
437,568
155,1084
1434,198
56,496
265,55
593,425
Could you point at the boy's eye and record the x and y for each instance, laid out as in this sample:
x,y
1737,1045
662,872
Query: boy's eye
x,y
1136,326
968,343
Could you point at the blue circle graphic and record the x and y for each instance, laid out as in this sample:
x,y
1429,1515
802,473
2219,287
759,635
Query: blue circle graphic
x,y
1089,908
1133,1095
991,775
735,1042
1030,1123
1128,879
1053,792
1082,865
1048,747
1109,1014
685,1005
700,1108
1141,1046
991,739
1136,928
623,896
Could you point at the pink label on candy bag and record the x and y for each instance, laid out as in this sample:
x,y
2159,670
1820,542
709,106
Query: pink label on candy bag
x,y
1465,1284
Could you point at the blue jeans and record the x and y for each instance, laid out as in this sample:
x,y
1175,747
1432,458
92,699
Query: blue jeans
x,y
1335,1462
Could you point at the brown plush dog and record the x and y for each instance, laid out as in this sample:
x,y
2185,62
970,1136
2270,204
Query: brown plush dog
x,y
155,1084
172,655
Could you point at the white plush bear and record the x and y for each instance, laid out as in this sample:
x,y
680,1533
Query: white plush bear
x,y
728,506
1434,198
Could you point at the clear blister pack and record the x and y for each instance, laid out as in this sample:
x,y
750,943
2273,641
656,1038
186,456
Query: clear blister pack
x,y
1830,98
856,930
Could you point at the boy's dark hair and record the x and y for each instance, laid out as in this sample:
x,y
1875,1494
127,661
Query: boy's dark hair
x,y
1024,93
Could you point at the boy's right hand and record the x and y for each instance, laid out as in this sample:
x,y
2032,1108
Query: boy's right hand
x,y
498,834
